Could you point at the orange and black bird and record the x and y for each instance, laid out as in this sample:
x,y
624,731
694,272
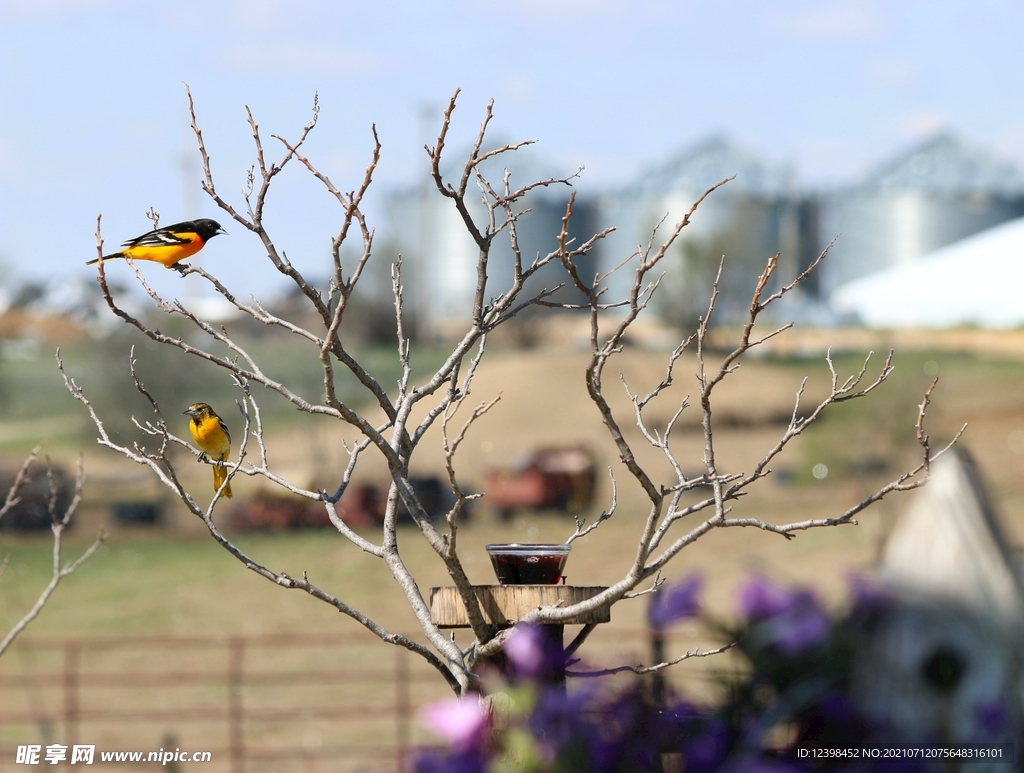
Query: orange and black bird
x,y
212,436
169,245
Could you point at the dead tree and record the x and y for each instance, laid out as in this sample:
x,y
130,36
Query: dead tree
x,y
670,526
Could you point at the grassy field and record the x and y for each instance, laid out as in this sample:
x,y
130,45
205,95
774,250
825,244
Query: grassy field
x,y
174,581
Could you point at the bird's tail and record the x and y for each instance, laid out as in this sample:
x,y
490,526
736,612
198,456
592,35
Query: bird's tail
x,y
220,474
94,261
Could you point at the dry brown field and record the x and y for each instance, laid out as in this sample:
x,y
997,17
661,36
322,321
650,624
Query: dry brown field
x,y
173,581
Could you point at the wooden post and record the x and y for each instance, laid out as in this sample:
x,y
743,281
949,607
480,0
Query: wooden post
x,y
555,673
505,605
657,683
236,709
72,664
402,706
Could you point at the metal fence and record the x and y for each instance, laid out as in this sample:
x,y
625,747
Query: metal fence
x,y
275,702
298,702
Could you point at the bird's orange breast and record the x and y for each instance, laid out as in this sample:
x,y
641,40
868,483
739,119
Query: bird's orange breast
x,y
167,254
211,438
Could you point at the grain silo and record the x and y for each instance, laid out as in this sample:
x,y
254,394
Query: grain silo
x,y
932,195
748,220
441,258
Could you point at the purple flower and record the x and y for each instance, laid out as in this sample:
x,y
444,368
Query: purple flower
x,y
674,603
792,619
707,749
463,722
559,719
526,651
867,594
761,599
584,731
535,652
751,763
805,625
993,718
469,761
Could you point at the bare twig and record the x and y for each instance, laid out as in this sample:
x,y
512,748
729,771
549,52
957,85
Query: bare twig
x,y
411,406
665,509
640,669
58,522
582,529
20,478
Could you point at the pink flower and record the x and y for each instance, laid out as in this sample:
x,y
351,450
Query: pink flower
x,y
463,722
525,648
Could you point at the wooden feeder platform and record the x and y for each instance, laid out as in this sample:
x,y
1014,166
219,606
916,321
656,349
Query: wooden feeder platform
x,y
505,605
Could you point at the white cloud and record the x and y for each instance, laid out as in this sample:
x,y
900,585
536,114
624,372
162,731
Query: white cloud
x,y
923,122
34,9
849,21
892,73
547,18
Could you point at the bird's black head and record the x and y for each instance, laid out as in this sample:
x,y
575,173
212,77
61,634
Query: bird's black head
x,y
207,228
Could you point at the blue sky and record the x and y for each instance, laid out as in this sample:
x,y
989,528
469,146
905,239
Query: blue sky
x,y
93,114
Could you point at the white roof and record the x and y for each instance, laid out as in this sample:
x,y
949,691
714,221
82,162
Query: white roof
x,y
976,281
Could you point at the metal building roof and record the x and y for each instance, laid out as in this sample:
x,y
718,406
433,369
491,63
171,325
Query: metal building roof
x,y
975,281
713,159
945,164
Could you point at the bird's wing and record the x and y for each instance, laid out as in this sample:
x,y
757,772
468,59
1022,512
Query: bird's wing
x,y
164,237
224,427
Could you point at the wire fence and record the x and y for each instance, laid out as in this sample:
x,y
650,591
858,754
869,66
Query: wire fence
x,y
294,702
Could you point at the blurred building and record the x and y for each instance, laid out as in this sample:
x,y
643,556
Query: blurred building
x,y
932,195
748,220
975,281
440,258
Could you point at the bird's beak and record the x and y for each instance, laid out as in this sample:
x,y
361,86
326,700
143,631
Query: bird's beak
x,y
222,231
188,413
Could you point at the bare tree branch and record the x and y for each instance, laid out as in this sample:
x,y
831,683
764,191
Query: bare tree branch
x,y
582,529
640,669
495,208
58,522
665,508
20,478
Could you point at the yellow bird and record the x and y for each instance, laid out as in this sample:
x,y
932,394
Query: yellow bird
x,y
170,244
212,436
